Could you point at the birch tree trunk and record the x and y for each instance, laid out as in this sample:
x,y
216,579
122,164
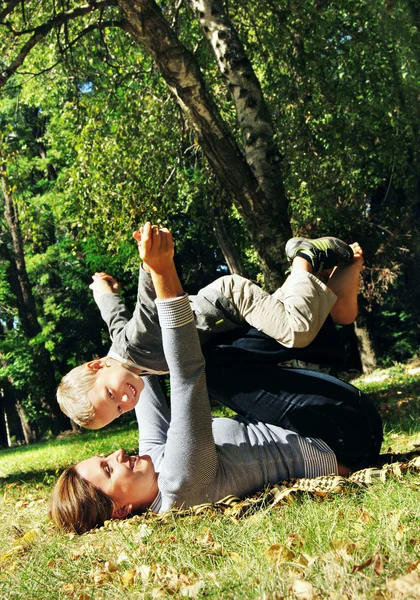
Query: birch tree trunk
x,y
264,215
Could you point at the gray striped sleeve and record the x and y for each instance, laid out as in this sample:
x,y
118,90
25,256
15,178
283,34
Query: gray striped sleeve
x,y
174,312
318,457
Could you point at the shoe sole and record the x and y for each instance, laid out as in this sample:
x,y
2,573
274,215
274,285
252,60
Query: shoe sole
x,y
292,247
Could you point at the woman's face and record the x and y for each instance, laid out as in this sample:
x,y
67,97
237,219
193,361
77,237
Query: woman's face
x,y
130,481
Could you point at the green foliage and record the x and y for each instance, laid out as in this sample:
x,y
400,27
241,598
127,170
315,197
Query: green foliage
x,y
94,144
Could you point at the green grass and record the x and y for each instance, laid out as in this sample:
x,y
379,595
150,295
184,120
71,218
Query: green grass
x,y
342,547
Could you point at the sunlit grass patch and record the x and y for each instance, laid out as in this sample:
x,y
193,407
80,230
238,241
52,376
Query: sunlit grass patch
x,y
355,545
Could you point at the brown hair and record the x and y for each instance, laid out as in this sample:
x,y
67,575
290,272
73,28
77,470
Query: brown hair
x,y
77,505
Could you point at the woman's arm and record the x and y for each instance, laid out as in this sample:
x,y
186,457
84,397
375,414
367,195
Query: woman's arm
x,y
190,461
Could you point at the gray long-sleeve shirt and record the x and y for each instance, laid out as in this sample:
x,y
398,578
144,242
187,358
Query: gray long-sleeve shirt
x,y
202,460
137,339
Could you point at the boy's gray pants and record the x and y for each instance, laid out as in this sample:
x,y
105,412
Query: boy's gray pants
x,y
293,315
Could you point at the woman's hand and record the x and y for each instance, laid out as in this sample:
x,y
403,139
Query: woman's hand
x,y
156,247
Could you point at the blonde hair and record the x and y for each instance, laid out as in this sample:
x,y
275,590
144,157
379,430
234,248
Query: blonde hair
x,y
72,395
76,505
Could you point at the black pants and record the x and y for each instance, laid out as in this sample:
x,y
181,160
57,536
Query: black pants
x,y
306,402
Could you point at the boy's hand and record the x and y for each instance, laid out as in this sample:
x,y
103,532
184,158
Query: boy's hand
x,y
104,284
156,247
137,236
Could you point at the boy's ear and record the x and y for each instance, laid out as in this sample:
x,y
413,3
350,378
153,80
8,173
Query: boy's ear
x,y
120,512
95,365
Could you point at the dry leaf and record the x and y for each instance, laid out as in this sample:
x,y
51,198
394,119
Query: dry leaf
x,y
378,564
102,577
68,588
144,572
294,541
362,566
158,592
365,516
407,586
413,566
123,557
279,553
111,567
128,577
10,553
303,589
192,591
207,538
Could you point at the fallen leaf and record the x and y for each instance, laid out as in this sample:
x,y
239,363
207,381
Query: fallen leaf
x,y
362,566
294,541
379,564
207,538
303,589
192,591
111,567
102,577
144,572
68,588
128,577
365,516
10,553
279,553
413,566
407,586
123,557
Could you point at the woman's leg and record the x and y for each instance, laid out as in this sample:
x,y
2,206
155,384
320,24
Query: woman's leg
x,y
309,403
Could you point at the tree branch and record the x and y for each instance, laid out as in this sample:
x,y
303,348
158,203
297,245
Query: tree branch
x,y
40,32
10,6
95,26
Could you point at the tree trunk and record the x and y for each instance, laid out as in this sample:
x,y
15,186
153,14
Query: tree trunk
x,y
265,217
28,433
253,116
27,313
7,428
27,310
367,353
226,245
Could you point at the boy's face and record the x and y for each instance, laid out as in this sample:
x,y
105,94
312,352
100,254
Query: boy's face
x,y
116,390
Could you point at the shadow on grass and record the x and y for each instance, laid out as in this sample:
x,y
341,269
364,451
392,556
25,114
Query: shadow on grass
x,y
31,471
399,405
44,476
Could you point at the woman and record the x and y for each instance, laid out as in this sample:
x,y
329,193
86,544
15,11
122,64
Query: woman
x,y
187,459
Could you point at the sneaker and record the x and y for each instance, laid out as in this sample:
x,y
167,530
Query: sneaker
x,y
322,253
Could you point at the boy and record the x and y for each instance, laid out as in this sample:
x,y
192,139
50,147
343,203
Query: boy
x,y
99,391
